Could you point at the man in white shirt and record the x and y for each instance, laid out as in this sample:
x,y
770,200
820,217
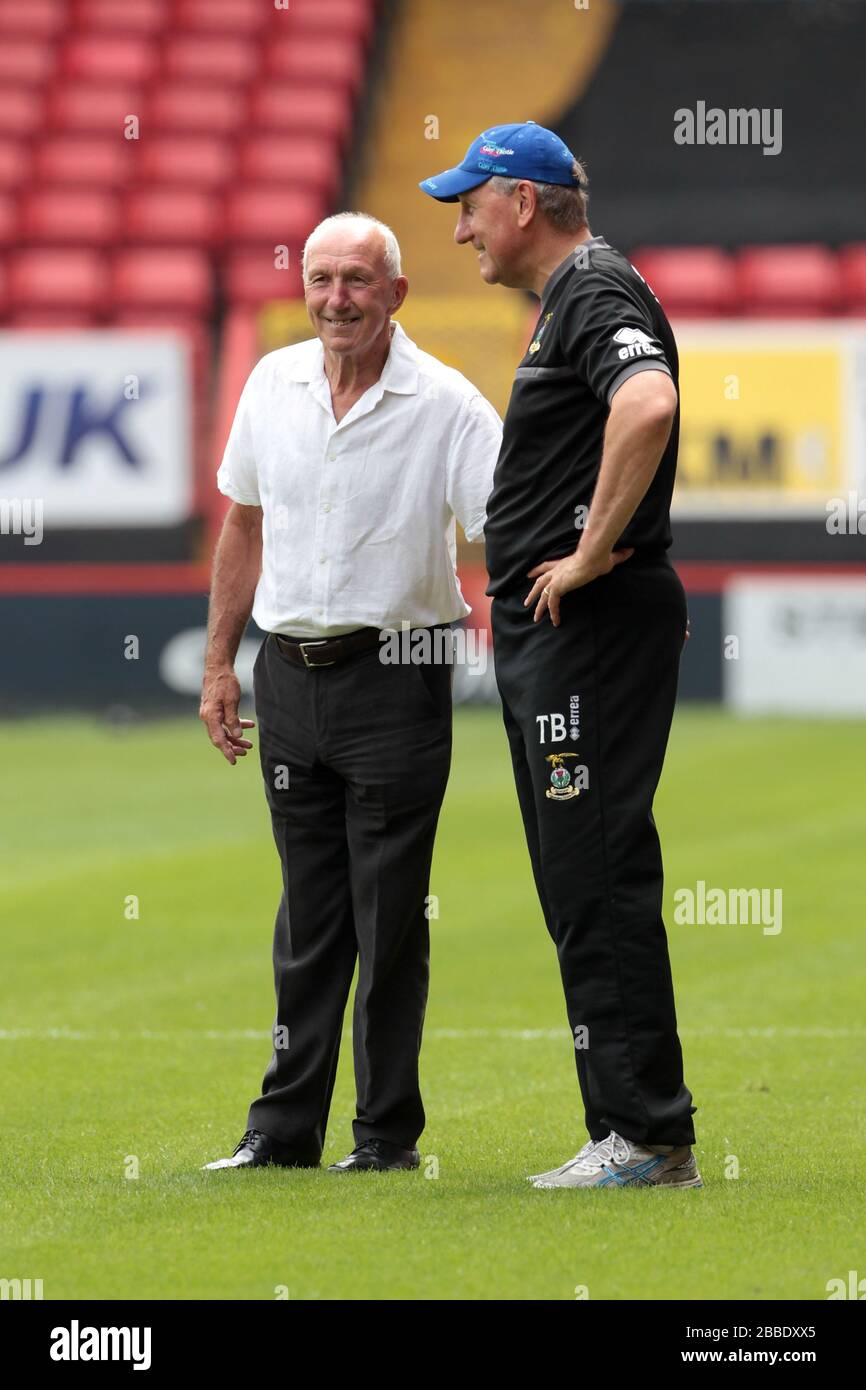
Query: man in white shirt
x,y
348,461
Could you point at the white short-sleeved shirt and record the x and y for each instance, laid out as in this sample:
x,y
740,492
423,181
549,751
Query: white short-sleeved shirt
x,y
359,517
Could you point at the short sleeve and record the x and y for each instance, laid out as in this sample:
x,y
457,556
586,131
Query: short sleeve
x,y
607,336
471,460
237,475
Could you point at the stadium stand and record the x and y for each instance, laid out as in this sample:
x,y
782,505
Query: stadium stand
x,y
162,161
803,59
212,127
244,114
157,160
155,155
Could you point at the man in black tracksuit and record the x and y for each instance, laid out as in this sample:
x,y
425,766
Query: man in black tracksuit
x,y
589,620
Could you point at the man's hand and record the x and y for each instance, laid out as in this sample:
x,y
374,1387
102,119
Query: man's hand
x,y
553,578
220,697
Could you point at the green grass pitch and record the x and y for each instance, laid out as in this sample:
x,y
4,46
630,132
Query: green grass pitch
x,y
135,1046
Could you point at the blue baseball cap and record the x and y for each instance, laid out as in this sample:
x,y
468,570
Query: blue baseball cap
x,y
522,151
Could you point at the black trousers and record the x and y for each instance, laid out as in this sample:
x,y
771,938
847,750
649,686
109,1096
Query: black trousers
x,y
355,759
588,709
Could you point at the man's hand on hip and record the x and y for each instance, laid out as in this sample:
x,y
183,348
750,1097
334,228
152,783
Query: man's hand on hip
x,y
553,578
220,697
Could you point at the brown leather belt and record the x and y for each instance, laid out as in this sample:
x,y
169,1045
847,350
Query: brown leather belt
x,y
329,651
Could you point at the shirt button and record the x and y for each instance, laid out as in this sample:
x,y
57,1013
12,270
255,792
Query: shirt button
x,y
322,559
327,507
332,458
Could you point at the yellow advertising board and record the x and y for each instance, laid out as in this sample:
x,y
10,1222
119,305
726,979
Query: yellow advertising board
x,y
771,417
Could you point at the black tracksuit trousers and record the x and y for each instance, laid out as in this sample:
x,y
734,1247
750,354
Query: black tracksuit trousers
x,y
604,685
355,759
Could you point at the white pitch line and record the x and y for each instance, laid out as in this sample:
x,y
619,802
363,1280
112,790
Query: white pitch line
x,y
458,1034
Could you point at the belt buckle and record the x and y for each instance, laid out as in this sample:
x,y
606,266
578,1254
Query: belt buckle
x,y
311,665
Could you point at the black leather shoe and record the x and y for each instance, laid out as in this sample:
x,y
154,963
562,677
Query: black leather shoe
x,y
257,1150
377,1156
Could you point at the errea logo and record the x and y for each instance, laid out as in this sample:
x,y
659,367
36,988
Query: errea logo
x,y
636,344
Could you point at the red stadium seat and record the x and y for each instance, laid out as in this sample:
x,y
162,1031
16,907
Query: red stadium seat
x,y
177,281
301,161
25,60
852,267
223,16
329,17
14,163
302,110
39,19
123,16
69,216
251,278
194,160
337,61
108,58
788,281
224,159
91,161
64,281
8,220
271,216
21,110
690,281
87,109
201,58
188,107
172,216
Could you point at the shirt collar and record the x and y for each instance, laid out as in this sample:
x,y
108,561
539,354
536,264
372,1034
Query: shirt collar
x,y
399,374
565,266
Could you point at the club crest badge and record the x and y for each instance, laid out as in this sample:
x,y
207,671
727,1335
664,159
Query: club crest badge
x,y
561,785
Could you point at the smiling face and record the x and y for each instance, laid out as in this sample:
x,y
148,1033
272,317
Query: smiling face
x,y
349,292
489,222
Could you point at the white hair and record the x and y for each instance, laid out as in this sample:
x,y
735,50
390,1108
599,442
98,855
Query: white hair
x,y
392,248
